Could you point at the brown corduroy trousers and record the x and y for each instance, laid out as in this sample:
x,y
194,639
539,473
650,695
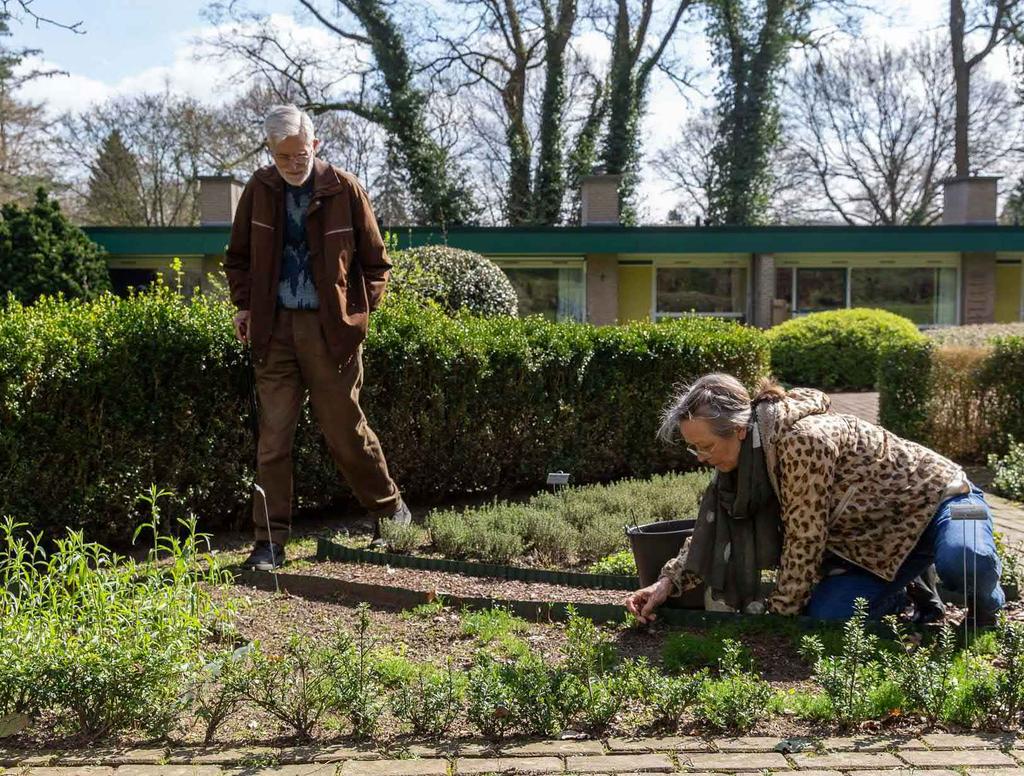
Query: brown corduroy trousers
x,y
298,363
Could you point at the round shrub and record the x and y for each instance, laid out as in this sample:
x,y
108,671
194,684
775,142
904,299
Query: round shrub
x,y
839,349
455,279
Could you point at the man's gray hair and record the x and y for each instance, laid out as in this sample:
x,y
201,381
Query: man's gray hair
x,y
286,120
717,398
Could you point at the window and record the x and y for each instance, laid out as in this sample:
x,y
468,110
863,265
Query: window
x,y
556,293
718,291
925,295
820,289
122,279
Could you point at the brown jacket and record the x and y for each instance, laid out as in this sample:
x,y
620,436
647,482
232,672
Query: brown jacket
x,y
349,262
844,485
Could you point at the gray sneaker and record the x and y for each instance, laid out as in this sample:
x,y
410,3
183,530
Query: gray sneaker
x,y
265,556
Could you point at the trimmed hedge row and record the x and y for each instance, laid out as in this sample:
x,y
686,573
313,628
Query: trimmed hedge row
x,y
100,399
839,349
964,402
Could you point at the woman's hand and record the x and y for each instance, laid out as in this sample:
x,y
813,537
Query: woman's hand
x,y
645,600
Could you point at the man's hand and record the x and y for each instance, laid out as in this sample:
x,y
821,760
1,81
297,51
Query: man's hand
x,y
645,600
241,322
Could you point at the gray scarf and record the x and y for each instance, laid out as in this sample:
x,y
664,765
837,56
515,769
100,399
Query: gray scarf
x,y
738,532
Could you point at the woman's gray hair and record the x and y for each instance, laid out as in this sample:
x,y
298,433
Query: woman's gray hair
x,y
285,121
718,398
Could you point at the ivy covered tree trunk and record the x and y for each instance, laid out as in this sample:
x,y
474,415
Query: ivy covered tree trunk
x,y
550,183
628,81
440,191
750,58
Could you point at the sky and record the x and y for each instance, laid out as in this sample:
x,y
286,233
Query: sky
x,y
135,46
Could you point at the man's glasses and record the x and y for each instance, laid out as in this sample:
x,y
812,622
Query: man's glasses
x,y
292,160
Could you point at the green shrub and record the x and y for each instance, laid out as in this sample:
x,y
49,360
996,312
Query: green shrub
x,y
454,278
41,252
963,402
737,699
850,677
684,651
1009,472
402,538
838,349
431,701
487,625
621,562
904,388
97,400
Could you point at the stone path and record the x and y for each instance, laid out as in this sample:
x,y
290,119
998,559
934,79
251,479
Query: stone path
x,y
938,754
863,405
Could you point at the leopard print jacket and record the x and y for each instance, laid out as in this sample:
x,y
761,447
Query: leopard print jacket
x,y
844,485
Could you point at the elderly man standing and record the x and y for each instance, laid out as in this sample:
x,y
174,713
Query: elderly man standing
x,y
306,266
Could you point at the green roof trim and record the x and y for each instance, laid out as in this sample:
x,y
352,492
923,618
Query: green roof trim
x,y
574,241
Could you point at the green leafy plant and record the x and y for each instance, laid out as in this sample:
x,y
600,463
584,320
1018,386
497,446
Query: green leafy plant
x,y
1009,471
42,252
1009,682
490,700
490,625
402,538
455,279
925,673
737,698
358,693
102,644
297,686
849,677
431,701
621,562
220,689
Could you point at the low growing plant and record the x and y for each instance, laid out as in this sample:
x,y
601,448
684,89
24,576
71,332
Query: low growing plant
x,y
621,562
923,673
849,677
431,701
102,644
402,538
297,686
358,692
1009,471
221,689
490,700
737,698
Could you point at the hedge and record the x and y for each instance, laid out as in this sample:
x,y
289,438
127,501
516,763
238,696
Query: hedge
x,y
964,402
838,349
100,399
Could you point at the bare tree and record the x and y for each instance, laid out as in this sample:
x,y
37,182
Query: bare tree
x,y
996,21
687,167
369,72
876,129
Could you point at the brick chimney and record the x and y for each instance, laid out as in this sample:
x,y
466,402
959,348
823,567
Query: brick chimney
x,y
972,201
600,200
218,198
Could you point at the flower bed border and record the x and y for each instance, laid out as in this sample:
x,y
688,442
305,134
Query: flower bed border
x,y
328,550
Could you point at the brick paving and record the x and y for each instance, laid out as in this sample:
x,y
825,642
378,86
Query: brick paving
x,y
938,754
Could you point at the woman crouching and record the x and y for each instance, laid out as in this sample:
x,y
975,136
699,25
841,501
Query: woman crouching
x,y
863,512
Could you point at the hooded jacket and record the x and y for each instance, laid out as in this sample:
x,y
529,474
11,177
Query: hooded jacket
x,y
347,256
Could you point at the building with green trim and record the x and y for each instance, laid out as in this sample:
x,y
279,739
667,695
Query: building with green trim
x,y
966,272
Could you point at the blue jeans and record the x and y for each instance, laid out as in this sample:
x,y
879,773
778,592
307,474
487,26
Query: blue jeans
x,y
944,543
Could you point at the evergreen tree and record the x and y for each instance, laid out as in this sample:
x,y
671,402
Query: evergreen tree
x,y
41,252
112,197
